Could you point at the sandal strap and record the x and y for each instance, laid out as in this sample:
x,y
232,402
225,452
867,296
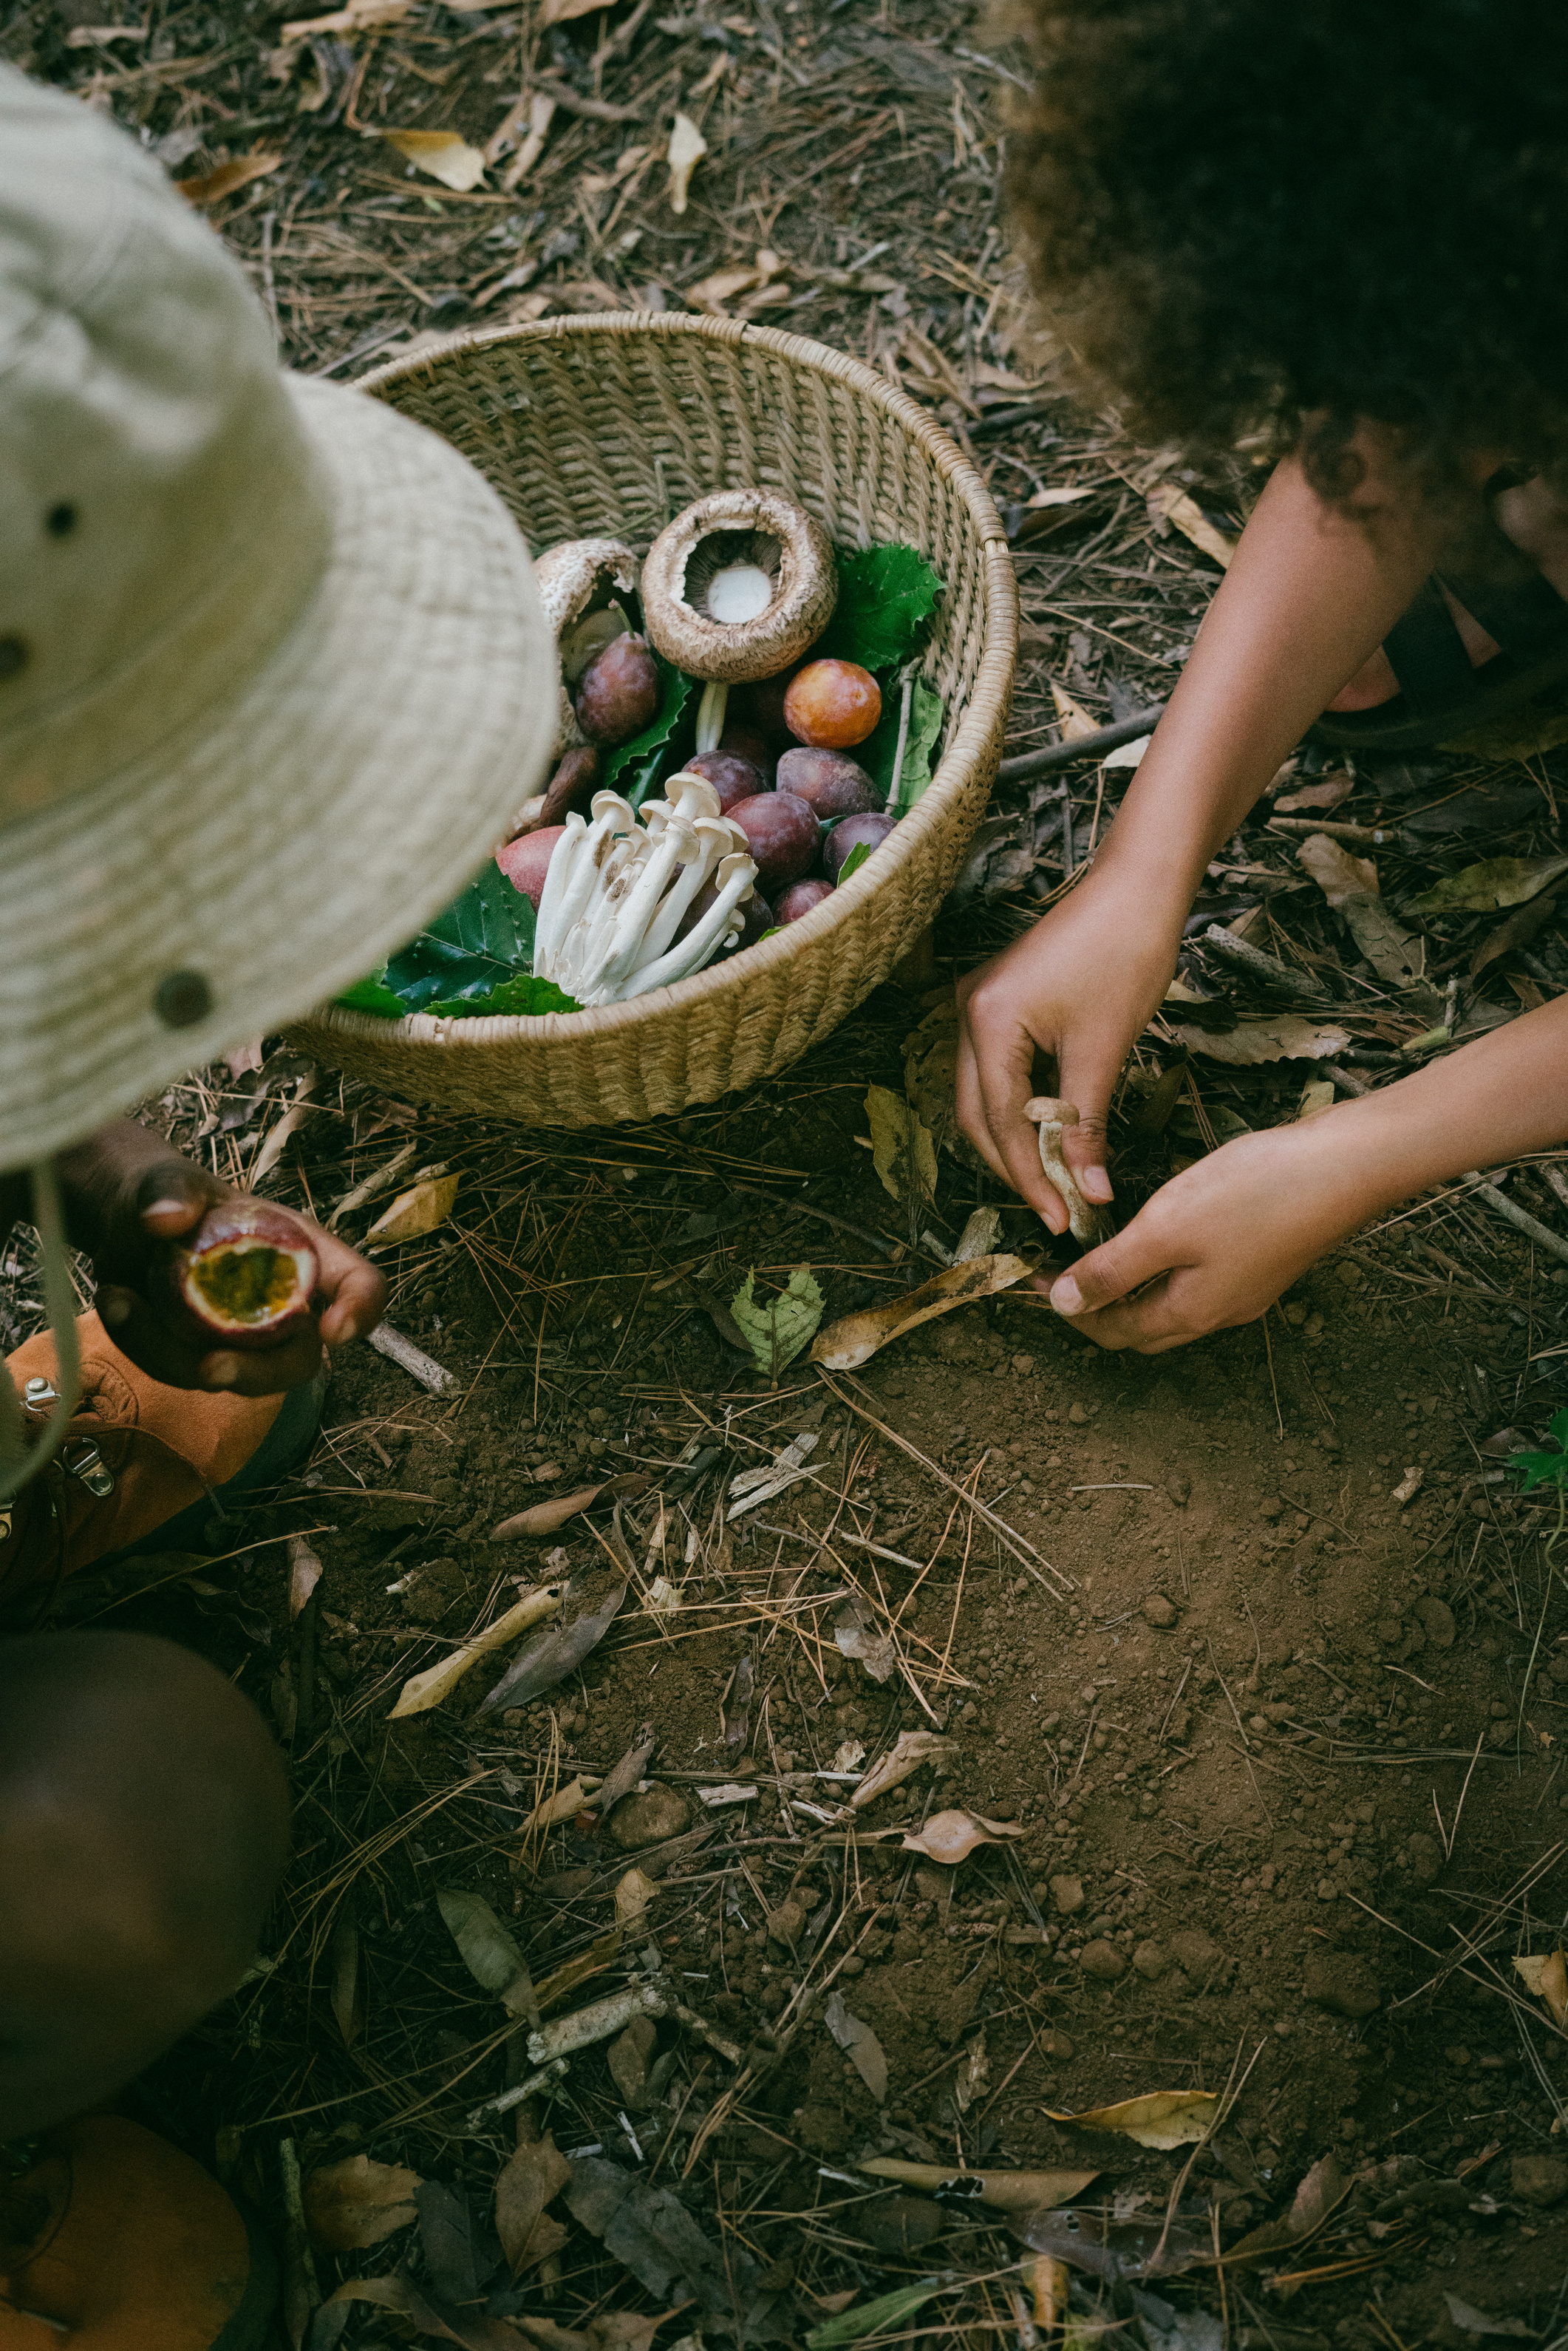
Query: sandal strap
x,y
1428,655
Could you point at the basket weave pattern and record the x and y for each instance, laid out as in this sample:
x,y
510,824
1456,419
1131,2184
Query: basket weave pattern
x,y
610,426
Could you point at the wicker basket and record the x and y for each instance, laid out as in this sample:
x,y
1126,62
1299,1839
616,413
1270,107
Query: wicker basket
x,y
611,426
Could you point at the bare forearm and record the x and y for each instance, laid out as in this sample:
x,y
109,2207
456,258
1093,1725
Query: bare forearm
x,y
1307,598
1504,1094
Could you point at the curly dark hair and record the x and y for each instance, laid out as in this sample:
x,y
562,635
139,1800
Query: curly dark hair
x,y
1280,216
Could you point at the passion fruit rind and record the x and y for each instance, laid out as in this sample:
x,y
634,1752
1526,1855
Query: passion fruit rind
x,y
247,1276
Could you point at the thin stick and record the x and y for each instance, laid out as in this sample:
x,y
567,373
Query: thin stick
x,y
1050,1578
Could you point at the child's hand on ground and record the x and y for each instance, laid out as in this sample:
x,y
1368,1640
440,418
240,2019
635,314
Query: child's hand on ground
x,y
144,1196
1078,989
1217,1244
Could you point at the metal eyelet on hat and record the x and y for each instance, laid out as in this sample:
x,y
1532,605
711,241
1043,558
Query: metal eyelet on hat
x,y
182,999
14,657
61,519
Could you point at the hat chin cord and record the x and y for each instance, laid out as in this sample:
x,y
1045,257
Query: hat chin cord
x,y
20,1461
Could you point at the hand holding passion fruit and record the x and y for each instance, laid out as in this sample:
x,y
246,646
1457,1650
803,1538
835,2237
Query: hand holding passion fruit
x,y
202,1287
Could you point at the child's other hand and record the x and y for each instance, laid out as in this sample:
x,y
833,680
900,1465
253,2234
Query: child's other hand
x,y
1217,1244
1078,989
168,1200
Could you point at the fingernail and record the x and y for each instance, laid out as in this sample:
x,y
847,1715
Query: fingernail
x,y
223,1371
1095,1183
168,1208
1066,1297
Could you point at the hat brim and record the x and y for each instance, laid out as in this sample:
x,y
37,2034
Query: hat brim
x,y
280,846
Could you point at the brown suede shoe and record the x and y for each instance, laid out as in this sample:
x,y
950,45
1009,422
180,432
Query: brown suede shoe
x,y
137,1456
116,2241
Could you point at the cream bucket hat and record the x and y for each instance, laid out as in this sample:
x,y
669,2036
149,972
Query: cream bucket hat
x,y
273,670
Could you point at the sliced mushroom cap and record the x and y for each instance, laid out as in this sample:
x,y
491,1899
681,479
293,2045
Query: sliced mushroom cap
x,y
738,587
578,582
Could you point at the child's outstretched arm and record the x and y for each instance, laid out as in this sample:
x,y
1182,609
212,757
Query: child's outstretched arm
x,y
1220,1242
1308,597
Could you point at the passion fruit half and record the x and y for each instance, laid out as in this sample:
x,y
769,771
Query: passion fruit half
x,y
247,1276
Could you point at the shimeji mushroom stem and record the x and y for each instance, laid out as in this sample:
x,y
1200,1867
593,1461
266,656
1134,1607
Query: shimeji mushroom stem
x,y
616,892
710,713
895,790
1087,1224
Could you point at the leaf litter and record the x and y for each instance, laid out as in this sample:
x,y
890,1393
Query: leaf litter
x,y
464,1786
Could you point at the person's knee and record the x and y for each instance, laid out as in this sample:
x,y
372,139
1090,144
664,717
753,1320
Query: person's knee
x,y
144,1822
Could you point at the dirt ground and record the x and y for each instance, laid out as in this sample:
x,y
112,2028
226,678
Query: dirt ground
x,y
1264,1725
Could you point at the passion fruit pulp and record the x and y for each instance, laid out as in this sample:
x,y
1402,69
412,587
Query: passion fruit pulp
x,y
247,1276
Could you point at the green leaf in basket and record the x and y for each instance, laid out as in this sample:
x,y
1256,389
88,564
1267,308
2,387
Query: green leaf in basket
x,y
633,769
852,862
886,595
370,996
876,753
482,943
524,994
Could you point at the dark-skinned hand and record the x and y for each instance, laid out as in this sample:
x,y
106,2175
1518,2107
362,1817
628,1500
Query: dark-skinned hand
x,y
129,1198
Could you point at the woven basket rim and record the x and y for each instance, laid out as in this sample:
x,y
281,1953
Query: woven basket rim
x,y
967,746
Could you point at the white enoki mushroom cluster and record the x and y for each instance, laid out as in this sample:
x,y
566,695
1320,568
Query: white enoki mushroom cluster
x,y
617,889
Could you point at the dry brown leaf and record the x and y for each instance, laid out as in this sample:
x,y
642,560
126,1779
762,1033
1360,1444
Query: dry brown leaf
x,y
553,1654
1350,884
1287,1037
1496,883
911,1749
1073,721
1325,794
687,148
564,1806
633,1895
564,12
1337,874
1008,2191
358,2202
469,2328
1064,496
237,173
951,1836
982,1231
902,1153
930,1078
490,1954
857,1337
541,114
417,1211
441,155
626,2330
544,1517
1517,931
1546,1975
426,1689
532,2176
711,293
304,1574
623,1776
859,2044
348,2005
1165,2118
1169,504
1325,2187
